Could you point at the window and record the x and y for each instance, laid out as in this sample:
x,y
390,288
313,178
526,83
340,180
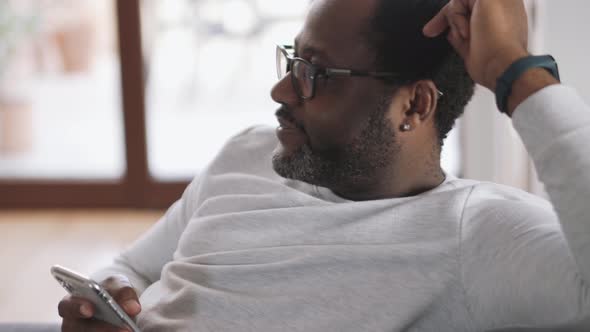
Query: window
x,y
210,68
60,108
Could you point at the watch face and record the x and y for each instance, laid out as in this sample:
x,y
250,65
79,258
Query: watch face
x,y
555,70
548,62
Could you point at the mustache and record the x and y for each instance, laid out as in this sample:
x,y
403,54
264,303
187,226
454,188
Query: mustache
x,y
285,113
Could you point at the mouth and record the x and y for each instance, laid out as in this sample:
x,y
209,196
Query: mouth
x,y
286,120
287,124
290,133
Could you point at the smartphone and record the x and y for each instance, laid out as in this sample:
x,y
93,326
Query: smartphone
x,y
105,307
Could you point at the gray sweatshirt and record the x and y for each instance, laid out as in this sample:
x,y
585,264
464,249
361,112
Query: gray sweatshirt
x,y
246,250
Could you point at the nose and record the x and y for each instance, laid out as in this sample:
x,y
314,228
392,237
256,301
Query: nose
x,y
283,92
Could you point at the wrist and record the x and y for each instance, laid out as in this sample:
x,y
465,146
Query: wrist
x,y
499,65
532,81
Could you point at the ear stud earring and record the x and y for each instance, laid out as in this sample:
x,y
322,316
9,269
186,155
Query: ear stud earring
x,y
406,127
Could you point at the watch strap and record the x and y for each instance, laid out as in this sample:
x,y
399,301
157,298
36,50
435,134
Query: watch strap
x,y
516,70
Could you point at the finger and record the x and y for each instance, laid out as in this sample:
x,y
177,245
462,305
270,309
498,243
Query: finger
x,y
75,308
124,294
127,298
459,44
460,22
458,16
438,24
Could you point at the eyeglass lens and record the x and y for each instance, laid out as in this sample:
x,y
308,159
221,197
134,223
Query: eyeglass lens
x,y
302,74
282,64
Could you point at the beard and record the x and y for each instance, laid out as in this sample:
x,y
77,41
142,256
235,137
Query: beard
x,y
357,164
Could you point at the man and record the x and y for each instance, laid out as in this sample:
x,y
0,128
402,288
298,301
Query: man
x,y
355,227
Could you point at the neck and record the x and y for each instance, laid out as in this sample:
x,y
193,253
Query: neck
x,y
394,183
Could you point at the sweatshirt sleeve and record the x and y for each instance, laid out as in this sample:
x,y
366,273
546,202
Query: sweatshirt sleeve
x,y
142,262
525,262
555,127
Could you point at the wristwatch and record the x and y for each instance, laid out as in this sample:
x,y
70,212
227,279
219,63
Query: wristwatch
x,y
505,82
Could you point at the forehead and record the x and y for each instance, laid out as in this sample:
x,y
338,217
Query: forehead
x,y
338,28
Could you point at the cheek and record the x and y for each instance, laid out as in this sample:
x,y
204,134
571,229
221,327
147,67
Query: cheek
x,y
334,123
324,132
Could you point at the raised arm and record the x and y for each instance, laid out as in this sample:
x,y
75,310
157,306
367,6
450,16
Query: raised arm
x,y
554,124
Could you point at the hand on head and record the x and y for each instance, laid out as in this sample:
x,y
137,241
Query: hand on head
x,y
488,34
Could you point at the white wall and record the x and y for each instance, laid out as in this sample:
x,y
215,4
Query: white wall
x,y
566,30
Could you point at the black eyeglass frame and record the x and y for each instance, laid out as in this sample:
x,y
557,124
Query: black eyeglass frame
x,y
288,50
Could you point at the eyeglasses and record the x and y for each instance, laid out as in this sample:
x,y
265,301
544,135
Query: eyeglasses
x,y
304,73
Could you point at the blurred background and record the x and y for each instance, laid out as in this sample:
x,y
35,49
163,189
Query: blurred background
x,y
108,109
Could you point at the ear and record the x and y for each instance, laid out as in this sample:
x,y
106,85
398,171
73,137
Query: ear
x,y
423,100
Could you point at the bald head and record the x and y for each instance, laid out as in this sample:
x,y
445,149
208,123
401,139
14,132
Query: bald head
x,y
339,28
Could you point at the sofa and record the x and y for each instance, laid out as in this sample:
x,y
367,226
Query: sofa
x,y
24,327
582,326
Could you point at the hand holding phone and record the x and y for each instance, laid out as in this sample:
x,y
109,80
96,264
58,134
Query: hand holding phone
x,y
108,306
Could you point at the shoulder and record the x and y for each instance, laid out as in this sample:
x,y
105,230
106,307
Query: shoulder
x,y
515,260
487,195
250,151
256,139
242,164
496,214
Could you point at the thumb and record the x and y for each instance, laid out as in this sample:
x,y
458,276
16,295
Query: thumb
x,y
127,298
123,293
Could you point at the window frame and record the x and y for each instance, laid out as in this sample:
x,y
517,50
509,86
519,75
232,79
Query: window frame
x,y
136,188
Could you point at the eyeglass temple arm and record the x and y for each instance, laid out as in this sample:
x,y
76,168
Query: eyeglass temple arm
x,y
348,72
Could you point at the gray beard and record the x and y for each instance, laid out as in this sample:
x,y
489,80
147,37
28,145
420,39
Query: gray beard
x,y
357,164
